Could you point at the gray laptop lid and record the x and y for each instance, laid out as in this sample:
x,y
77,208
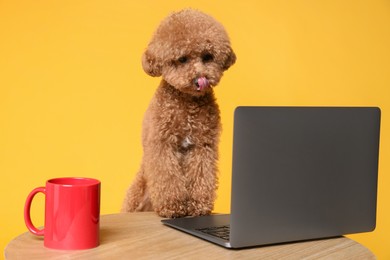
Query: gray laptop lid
x,y
302,173
299,173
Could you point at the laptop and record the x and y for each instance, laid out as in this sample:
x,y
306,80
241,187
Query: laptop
x,y
299,173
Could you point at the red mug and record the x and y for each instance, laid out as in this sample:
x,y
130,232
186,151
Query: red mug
x,y
72,210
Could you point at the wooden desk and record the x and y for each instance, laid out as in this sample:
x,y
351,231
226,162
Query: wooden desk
x,y
141,235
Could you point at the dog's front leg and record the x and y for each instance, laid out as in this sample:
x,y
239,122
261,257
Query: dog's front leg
x,y
166,183
201,171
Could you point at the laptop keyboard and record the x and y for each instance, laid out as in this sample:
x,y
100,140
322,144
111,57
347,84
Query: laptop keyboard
x,y
221,231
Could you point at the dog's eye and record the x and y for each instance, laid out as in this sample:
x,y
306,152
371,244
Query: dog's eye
x,y
207,57
183,59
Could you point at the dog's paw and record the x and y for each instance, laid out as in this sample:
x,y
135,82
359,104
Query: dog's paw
x,y
172,211
195,208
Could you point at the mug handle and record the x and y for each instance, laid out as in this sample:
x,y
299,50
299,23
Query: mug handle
x,y
27,207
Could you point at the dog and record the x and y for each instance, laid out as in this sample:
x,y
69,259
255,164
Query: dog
x,y
178,175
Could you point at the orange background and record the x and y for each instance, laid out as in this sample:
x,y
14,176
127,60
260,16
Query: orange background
x,y
73,93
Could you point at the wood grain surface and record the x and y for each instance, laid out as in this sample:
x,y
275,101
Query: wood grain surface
x,y
143,236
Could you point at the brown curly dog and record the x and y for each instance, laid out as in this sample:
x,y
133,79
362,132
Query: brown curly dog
x,y
181,127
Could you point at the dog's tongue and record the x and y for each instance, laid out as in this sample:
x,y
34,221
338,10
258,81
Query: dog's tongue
x,y
201,83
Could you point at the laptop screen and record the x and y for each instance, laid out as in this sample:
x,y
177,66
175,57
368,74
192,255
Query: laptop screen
x,y
303,172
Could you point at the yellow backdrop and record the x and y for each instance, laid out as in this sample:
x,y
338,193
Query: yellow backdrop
x,y
73,93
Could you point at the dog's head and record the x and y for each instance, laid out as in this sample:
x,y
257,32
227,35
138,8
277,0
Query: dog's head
x,y
190,50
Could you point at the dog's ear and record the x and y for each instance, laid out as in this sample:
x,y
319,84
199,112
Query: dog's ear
x,y
151,65
230,60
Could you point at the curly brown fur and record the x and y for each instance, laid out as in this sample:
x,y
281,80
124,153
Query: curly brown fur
x,y
181,127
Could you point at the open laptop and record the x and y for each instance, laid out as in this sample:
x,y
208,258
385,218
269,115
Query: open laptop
x,y
299,173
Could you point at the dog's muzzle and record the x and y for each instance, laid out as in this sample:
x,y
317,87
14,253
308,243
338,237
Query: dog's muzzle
x,y
201,83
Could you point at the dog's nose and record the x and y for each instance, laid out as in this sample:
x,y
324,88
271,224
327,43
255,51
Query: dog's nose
x,y
199,67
